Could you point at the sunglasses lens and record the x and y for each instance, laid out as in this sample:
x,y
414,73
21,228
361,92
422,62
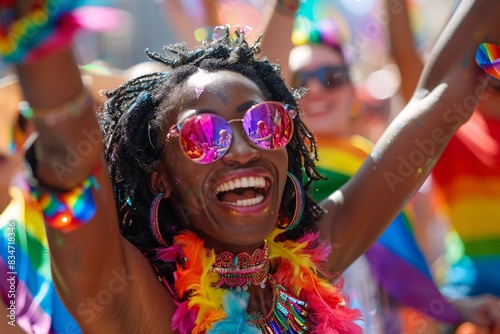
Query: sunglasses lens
x,y
331,77
205,138
328,76
268,125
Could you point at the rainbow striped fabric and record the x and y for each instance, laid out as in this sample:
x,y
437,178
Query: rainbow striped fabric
x,y
25,260
395,259
468,174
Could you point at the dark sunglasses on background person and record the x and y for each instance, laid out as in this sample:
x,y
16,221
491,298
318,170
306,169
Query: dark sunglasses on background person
x,y
329,76
206,137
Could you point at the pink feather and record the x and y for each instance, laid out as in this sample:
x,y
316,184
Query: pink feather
x,y
170,254
184,318
331,319
319,251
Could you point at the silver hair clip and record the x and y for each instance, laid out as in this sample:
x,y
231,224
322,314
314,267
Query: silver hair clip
x,y
221,31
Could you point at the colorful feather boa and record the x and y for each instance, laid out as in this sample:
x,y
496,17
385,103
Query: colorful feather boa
x,y
206,309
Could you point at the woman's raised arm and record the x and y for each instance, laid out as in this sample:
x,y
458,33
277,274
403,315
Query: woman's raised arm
x,y
97,273
445,98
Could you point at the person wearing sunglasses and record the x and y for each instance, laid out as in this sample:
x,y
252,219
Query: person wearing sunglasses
x,y
147,238
331,98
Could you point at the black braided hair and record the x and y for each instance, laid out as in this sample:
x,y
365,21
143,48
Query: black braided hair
x,y
134,115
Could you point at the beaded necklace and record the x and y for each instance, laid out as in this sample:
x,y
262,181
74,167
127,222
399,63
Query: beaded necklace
x,y
287,315
298,291
241,270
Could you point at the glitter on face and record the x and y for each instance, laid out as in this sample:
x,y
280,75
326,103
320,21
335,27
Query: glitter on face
x,y
199,90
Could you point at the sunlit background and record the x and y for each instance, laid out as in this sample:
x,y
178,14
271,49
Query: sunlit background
x,y
361,22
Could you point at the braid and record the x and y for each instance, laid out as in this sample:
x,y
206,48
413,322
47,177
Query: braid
x,y
130,155
135,114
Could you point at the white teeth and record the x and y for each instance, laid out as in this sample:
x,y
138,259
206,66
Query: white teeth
x,y
248,202
242,182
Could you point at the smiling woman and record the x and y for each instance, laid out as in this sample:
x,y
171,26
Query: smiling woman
x,y
220,238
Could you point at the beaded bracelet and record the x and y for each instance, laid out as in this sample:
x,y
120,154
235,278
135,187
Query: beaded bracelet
x,y
21,39
70,210
287,7
53,116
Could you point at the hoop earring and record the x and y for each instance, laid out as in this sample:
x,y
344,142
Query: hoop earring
x,y
300,201
153,220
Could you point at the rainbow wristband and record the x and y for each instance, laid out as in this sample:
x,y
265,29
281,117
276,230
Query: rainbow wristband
x,y
71,210
47,25
488,58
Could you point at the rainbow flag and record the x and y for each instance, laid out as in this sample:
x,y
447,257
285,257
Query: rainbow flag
x,y
468,174
26,281
395,259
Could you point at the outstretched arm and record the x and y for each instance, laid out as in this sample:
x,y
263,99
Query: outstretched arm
x,y
80,269
402,46
445,98
277,35
97,273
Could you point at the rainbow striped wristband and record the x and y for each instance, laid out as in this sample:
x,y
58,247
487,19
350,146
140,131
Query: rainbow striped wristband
x,y
70,210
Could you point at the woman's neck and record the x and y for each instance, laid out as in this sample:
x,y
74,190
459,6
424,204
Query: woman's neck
x,y
219,247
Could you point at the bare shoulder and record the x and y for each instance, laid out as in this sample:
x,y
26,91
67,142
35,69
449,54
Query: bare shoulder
x,y
137,302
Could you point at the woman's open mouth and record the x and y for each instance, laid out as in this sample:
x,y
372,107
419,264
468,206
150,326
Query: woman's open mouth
x,y
242,191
